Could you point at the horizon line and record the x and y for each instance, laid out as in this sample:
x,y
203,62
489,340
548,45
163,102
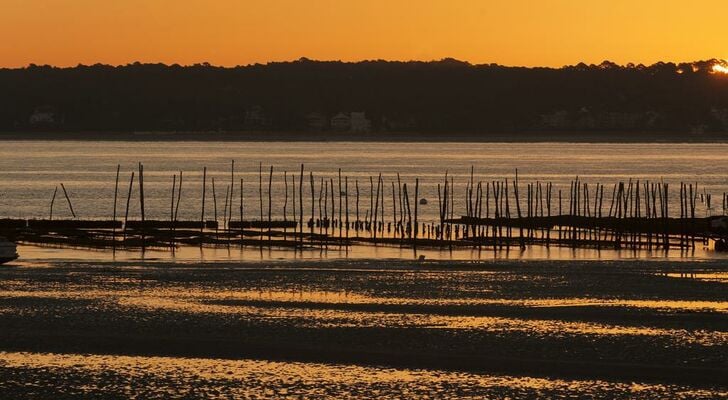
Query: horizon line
x,y
714,60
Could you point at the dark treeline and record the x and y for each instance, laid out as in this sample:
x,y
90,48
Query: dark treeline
x,y
306,95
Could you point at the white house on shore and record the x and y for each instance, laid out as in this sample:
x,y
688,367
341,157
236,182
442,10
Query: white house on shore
x,y
351,122
44,116
360,123
340,122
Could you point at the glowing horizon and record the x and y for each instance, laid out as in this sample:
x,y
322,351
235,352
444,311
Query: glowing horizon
x,y
230,32
720,68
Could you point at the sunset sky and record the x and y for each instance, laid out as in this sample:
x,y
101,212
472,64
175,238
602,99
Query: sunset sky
x,y
234,32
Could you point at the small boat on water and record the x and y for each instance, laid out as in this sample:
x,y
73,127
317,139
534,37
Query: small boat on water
x,y
8,251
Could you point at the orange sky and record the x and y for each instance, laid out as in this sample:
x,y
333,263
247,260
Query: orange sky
x,y
232,32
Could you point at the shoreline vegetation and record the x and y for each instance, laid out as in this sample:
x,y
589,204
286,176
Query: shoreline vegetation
x,y
440,98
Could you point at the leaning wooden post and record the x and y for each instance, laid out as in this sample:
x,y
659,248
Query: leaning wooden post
x,y
179,196
518,211
176,207
68,200
408,228
225,207
376,207
128,199
53,200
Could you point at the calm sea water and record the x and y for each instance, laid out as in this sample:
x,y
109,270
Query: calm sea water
x,y
30,170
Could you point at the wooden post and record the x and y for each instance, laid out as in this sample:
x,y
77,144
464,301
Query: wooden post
x,y
381,215
394,208
225,208
417,201
313,201
214,205
401,204
232,190
202,214
376,206
285,203
68,200
260,194
242,182
171,208
270,201
300,202
518,210
293,195
141,191
116,194
321,213
333,207
371,197
53,200
408,225
340,203
325,220
356,182
128,199
179,196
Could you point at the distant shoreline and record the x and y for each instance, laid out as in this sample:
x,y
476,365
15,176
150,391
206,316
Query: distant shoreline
x,y
461,137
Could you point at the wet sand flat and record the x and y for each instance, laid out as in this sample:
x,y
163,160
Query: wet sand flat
x,y
652,329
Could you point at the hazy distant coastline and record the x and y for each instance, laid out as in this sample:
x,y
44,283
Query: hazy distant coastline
x,y
443,100
263,136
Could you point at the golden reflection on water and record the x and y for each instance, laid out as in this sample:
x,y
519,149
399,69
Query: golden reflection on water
x,y
703,276
34,253
215,378
291,307
197,294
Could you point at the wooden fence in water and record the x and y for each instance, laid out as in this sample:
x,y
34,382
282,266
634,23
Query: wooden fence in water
x,y
496,213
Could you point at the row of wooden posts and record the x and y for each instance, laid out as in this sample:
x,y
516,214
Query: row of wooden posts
x,y
635,203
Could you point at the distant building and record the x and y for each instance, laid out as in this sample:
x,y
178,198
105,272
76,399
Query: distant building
x,y
340,122
359,122
44,116
316,121
351,122
255,117
721,116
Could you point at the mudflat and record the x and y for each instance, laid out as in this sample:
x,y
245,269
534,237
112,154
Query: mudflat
x,y
656,322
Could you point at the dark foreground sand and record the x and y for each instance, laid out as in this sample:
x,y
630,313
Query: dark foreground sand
x,y
537,328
